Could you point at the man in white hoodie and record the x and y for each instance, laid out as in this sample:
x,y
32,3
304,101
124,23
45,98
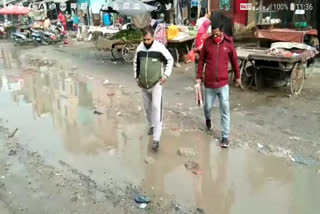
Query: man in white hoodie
x,y
152,67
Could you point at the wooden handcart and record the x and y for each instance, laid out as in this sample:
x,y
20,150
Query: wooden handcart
x,y
119,49
256,65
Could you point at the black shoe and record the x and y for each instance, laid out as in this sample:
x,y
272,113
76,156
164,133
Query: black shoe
x,y
155,145
209,124
150,131
224,143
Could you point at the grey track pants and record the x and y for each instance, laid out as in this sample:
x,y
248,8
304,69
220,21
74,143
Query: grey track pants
x,y
152,100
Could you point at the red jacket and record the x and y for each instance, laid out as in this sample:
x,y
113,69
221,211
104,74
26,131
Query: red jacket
x,y
62,19
216,57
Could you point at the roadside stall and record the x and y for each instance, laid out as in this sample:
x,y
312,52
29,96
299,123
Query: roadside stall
x,y
286,61
290,58
298,29
182,39
108,27
122,45
13,11
122,41
107,32
289,35
38,13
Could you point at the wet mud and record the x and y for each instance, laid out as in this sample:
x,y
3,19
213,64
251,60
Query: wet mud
x,y
90,135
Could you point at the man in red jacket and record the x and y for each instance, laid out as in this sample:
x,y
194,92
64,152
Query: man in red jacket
x,y
216,53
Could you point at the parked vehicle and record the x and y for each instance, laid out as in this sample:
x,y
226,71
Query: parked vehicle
x,y
55,35
29,36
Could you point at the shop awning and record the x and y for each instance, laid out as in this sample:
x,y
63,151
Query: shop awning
x,y
14,10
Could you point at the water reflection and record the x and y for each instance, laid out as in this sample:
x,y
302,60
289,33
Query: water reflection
x,y
9,59
63,127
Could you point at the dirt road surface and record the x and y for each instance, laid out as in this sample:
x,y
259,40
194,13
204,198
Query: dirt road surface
x,y
73,139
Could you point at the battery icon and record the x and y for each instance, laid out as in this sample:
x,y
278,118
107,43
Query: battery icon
x,y
292,6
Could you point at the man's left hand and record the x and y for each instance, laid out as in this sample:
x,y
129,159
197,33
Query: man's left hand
x,y
163,80
238,82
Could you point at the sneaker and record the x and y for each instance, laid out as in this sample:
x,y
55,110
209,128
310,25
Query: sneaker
x,y
155,145
209,124
224,143
150,132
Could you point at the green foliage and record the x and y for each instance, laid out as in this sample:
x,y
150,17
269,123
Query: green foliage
x,y
128,35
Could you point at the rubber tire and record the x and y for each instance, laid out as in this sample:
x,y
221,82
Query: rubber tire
x,y
45,42
17,41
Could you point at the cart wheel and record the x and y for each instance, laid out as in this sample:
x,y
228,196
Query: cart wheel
x,y
297,79
249,69
116,52
308,69
259,79
231,77
247,75
128,52
231,73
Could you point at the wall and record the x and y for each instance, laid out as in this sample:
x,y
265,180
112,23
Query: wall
x,y
252,14
215,6
240,16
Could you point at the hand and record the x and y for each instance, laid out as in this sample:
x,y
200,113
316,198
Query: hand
x,y
163,80
198,81
238,82
196,56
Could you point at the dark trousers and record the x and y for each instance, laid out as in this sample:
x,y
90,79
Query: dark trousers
x,y
69,26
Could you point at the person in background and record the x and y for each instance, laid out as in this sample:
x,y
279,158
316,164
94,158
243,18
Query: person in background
x,y
85,19
215,54
226,22
158,21
46,24
81,24
63,20
30,20
160,32
75,22
69,21
202,35
200,21
119,23
152,67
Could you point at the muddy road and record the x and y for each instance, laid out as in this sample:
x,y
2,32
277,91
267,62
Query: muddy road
x,y
59,156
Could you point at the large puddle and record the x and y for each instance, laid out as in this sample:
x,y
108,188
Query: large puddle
x,y
54,112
